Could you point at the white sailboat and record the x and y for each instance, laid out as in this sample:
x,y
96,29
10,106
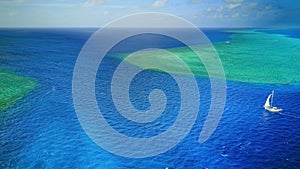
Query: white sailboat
x,y
268,105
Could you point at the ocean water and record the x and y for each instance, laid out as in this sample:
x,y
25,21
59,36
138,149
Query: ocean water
x,y
42,129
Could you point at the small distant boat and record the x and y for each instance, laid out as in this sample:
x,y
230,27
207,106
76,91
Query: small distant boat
x,y
268,105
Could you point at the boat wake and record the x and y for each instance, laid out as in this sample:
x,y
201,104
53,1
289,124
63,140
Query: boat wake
x,y
289,114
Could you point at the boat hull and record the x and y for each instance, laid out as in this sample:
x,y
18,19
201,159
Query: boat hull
x,y
273,109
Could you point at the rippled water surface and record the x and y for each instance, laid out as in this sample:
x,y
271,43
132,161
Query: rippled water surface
x,y
42,129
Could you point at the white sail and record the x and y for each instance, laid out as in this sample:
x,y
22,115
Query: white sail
x,y
272,98
267,104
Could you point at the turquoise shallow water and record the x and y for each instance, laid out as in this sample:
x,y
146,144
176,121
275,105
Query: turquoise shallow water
x,y
42,129
13,87
248,56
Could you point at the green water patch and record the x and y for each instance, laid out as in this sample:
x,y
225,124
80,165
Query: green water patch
x,y
261,58
12,88
249,56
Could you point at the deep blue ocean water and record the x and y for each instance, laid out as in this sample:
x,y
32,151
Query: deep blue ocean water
x,y
292,32
42,129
